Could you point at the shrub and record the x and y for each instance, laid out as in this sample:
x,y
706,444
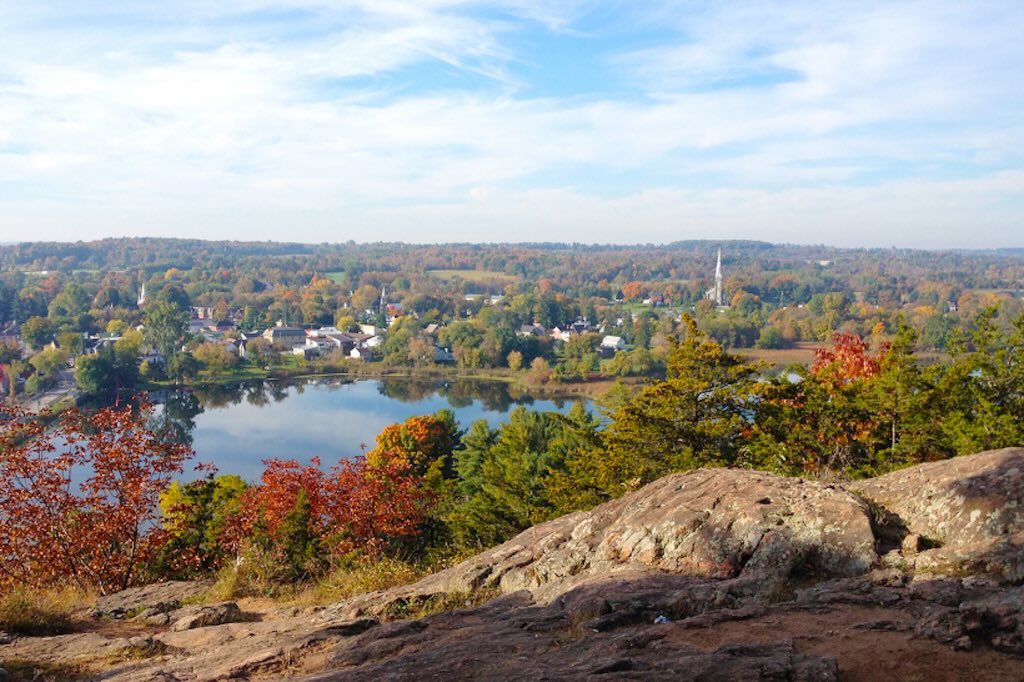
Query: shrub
x,y
78,500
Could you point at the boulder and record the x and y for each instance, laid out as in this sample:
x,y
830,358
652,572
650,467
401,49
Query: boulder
x,y
961,516
166,596
712,523
205,615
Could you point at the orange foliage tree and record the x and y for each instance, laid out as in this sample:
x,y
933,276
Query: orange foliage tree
x,y
419,442
78,500
632,290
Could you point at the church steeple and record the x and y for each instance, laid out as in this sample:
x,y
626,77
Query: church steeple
x,y
717,292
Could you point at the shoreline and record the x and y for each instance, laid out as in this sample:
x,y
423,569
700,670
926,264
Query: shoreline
x,y
590,389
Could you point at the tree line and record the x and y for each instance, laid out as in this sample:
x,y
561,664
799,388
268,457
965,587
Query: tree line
x,y
430,487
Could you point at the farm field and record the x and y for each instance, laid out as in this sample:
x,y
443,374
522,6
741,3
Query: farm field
x,y
471,275
801,354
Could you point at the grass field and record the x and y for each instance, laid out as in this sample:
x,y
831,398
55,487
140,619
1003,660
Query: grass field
x,y
336,277
471,275
801,354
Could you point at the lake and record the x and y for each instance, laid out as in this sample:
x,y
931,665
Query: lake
x,y
238,426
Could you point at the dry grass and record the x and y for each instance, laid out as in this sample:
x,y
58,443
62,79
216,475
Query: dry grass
x,y
31,611
346,580
360,578
22,671
801,354
472,275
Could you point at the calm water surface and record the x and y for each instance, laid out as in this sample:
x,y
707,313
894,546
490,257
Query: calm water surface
x,y
236,427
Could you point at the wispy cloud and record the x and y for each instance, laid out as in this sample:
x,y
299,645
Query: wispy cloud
x,y
369,120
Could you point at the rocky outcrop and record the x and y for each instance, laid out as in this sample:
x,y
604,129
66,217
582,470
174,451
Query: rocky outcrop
x,y
712,523
709,575
961,516
158,597
205,615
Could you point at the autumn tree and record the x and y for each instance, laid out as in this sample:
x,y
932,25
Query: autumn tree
x,y
165,324
631,291
78,500
824,424
215,357
421,443
299,515
38,331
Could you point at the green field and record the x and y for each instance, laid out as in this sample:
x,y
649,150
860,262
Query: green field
x,y
471,275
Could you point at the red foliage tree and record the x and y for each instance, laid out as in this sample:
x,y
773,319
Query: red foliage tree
x,y
352,507
78,501
847,361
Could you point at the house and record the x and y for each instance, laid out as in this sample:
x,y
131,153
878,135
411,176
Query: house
x,y
366,354
559,334
307,352
530,330
613,343
324,331
431,329
370,329
443,355
196,326
99,344
285,337
221,326
243,342
345,344
153,358
581,326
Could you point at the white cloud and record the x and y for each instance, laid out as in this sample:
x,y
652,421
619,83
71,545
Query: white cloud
x,y
260,116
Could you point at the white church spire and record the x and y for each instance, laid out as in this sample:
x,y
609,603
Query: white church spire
x,y
717,293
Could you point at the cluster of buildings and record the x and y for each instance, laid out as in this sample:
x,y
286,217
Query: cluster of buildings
x,y
312,343
609,344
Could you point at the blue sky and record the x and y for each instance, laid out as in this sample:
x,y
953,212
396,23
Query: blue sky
x,y
847,123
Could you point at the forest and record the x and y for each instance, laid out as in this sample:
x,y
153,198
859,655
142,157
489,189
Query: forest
x,y
910,357
466,305
431,490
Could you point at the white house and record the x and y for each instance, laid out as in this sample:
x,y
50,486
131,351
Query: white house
x,y
614,343
363,354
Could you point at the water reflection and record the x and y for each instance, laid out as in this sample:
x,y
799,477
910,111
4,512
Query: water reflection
x,y
237,426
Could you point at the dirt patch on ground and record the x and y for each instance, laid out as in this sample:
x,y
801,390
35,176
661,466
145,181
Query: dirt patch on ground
x,y
869,645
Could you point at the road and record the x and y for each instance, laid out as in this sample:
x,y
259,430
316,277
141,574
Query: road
x,y
65,385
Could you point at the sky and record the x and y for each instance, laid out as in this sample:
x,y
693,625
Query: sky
x,y
847,123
